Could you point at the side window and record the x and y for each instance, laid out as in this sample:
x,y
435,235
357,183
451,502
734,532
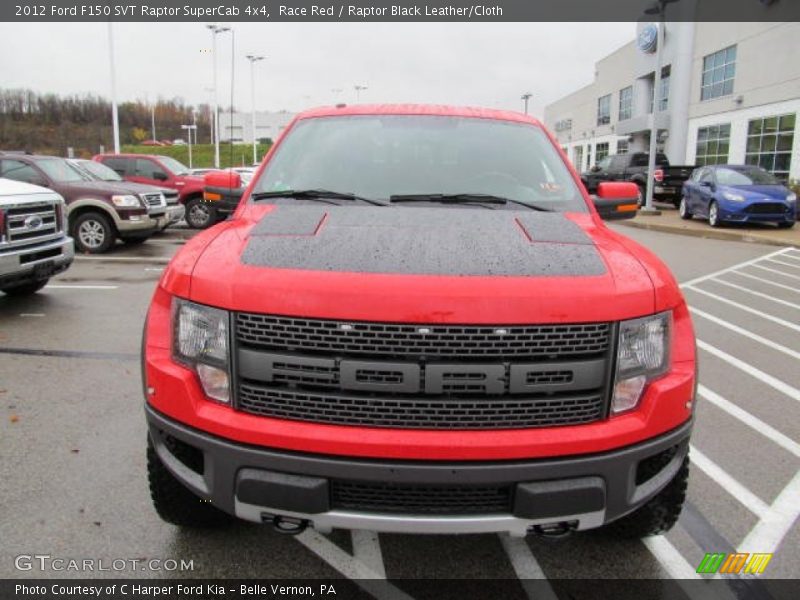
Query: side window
x,y
120,165
19,171
149,169
639,160
707,175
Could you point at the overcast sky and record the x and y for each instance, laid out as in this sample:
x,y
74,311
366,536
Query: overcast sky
x,y
454,63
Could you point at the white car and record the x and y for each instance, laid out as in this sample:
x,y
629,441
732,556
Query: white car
x,y
34,245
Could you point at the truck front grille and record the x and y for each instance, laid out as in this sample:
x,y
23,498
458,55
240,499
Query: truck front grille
x,y
152,200
440,341
418,499
30,222
421,376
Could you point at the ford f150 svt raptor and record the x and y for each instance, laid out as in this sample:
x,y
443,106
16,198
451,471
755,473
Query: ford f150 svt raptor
x,y
416,321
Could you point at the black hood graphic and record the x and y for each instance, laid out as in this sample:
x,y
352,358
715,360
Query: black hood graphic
x,y
423,241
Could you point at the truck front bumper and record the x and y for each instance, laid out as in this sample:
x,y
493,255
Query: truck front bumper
x,y
258,484
34,263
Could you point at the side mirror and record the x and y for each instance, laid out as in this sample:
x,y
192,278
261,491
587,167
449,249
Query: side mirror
x,y
616,200
595,169
708,184
40,181
160,176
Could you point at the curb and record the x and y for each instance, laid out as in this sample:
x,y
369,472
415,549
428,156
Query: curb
x,y
714,234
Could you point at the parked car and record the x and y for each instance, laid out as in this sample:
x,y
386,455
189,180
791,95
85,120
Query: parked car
x,y
164,171
34,245
173,208
738,194
633,167
98,212
365,345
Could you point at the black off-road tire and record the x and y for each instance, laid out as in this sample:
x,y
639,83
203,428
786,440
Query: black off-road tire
x,y
25,289
200,214
658,515
174,503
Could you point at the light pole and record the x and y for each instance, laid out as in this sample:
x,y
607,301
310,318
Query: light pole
x,y
215,29
114,112
359,89
525,97
659,8
188,129
253,60
153,121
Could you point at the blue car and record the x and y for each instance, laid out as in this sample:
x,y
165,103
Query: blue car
x,y
737,194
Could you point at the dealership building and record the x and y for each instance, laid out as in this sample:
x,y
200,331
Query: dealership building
x,y
729,93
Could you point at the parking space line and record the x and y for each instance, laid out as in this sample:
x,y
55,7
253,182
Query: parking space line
x,y
744,307
81,287
768,534
367,549
526,567
778,262
669,557
350,567
766,378
728,483
733,267
777,272
750,420
745,332
755,293
762,280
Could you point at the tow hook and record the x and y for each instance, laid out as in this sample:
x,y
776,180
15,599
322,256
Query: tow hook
x,y
558,530
289,525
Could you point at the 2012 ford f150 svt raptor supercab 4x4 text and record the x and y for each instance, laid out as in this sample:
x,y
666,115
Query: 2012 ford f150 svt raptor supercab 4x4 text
x,y
416,321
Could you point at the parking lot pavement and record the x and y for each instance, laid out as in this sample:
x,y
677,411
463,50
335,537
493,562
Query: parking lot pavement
x,y
73,435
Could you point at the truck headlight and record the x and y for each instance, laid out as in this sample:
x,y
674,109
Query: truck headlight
x,y
642,355
200,341
126,201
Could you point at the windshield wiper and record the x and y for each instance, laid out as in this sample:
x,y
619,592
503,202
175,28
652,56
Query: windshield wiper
x,y
321,195
464,198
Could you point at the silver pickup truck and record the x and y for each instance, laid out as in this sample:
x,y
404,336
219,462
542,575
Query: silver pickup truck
x,y
34,245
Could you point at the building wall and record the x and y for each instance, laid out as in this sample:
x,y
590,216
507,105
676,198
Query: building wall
x,y
239,125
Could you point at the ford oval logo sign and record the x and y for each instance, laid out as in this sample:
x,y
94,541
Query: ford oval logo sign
x,y
648,38
33,222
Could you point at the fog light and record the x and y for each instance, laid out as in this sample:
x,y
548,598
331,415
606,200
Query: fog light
x,y
215,382
627,393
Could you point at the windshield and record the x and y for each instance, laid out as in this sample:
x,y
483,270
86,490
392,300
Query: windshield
x,y
380,156
177,167
60,171
99,170
745,177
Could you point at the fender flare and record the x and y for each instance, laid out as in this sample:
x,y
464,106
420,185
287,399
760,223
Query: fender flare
x,y
93,203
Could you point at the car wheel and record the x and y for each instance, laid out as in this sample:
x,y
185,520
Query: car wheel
x,y
713,215
174,503
25,289
658,515
199,215
93,233
683,209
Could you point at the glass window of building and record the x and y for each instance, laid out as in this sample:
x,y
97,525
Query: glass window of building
x,y
626,103
769,144
622,146
713,144
600,152
604,110
719,70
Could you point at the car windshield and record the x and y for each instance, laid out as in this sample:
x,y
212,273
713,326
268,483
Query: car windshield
x,y
99,171
385,156
177,167
60,171
745,177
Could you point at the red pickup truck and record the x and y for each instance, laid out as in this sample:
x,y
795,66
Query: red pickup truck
x,y
417,321
165,171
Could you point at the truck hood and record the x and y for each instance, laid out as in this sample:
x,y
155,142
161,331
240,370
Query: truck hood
x,y
418,264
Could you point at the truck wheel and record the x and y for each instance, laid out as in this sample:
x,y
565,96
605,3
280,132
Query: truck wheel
x,y
713,215
25,289
640,196
174,503
93,233
199,215
659,514
683,209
